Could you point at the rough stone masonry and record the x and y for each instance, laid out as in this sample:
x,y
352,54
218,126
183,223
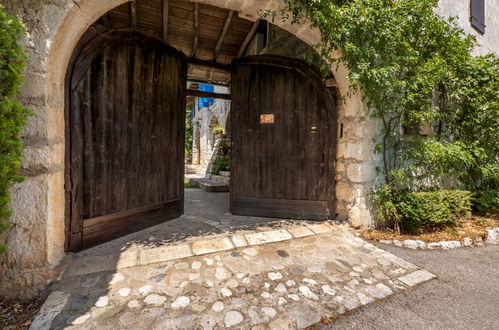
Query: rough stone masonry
x,y
284,285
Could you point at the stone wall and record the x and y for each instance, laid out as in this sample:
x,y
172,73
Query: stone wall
x,y
202,125
36,241
53,29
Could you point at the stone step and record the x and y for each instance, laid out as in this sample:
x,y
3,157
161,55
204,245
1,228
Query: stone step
x,y
221,179
190,169
224,173
210,185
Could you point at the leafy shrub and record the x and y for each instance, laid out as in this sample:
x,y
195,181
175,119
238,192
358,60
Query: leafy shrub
x,y
218,129
485,202
221,164
414,212
12,114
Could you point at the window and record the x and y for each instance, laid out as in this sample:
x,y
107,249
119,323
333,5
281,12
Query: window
x,y
477,17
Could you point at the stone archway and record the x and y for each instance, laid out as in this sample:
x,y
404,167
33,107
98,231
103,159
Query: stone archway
x,y
50,44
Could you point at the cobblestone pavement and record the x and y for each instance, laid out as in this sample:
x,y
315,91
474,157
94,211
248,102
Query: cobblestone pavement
x,y
318,271
206,214
283,285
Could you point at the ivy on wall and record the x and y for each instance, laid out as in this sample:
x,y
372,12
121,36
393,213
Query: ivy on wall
x,y
12,114
413,68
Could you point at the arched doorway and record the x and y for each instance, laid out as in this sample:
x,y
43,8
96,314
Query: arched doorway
x,y
96,214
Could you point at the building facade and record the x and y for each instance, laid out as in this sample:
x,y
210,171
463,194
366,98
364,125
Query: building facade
x,y
54,29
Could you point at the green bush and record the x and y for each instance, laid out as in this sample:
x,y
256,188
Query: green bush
x,y
221,164
414,212
12,114
485,202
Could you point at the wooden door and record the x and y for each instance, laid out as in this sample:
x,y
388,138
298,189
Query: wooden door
x,y
126,131
283,140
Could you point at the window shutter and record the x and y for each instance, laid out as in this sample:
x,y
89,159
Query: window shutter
x,y
478,15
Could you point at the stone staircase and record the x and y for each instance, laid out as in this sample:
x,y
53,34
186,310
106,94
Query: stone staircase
x,y
222,177
210,185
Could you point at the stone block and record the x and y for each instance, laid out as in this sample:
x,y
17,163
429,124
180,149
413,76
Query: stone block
x,y
56,201
416,277
47,156
491,236
210,246
345,191
359,215
239,241
467,241
94,264
361,172
379,291
320,228
411,244
128,258
52,307
268,237
359,151
37,203
449,245
421,245
301,231
434,246
235,4
33,86
164,253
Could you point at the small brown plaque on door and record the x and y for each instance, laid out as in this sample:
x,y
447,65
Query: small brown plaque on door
x,y
267,118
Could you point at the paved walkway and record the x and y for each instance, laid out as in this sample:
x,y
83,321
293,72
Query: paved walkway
x,y
292,282
465,295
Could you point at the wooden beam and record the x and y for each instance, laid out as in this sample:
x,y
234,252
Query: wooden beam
x,y
197,93
222,35
196,30
248,38
208,64
105,21
200,81
165,21
133,15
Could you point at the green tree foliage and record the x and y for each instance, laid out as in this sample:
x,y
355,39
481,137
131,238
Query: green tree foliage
x,y
12,114
414,67
188,132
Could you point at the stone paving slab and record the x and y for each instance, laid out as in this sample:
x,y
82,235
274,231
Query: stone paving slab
x,y
86,264
289,284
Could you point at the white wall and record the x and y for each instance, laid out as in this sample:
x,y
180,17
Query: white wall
x,y
489,41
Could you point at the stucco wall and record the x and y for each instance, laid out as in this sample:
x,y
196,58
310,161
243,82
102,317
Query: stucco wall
x,y
53,28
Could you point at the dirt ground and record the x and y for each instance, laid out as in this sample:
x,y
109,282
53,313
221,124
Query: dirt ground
x,y
18,314
472,227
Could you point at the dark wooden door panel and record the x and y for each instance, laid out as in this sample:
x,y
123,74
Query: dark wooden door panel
x,y
281,208
127,113
281,168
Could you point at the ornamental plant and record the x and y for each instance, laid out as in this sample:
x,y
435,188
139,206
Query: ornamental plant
x,y
12,114
414,68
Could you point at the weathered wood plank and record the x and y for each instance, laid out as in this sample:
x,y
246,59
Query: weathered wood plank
x,y
222,35
165,20
248,38
133,15
195,43
198,93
